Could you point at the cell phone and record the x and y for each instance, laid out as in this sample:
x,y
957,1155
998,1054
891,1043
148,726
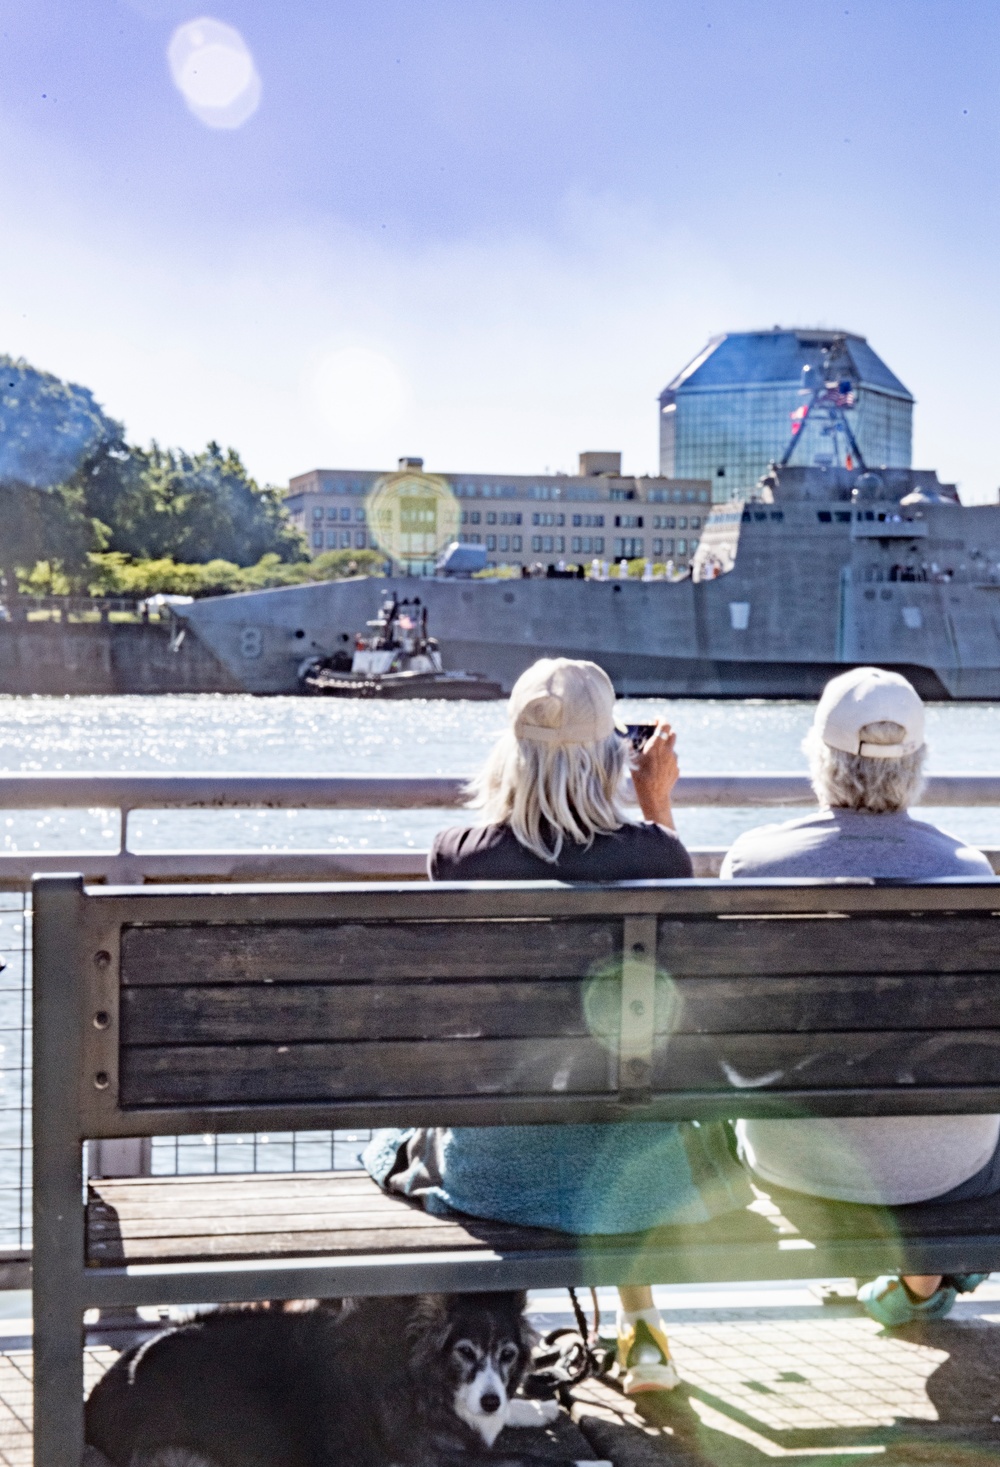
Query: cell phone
x,y
638,734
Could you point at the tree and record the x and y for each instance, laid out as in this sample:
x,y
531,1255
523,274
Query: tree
x,y
207,507
46,428
70,485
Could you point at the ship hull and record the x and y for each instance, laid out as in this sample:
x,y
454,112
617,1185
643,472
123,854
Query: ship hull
x,y
817,583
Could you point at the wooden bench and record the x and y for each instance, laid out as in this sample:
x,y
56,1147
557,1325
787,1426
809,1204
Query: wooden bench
x,y
164,1010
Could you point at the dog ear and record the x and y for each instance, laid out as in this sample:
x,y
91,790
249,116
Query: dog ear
x,y
428,1324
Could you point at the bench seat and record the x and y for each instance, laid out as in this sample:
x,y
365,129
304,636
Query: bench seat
x,y
343,1218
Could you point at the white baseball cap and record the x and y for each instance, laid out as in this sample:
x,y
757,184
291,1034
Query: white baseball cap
x,y
869,695
560,701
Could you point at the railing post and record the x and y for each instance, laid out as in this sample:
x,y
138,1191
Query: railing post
x,y
58,1261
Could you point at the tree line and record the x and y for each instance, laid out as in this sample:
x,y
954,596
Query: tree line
x,y
83,510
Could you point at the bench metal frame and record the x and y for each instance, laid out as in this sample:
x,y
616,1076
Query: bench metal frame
x,y
76,977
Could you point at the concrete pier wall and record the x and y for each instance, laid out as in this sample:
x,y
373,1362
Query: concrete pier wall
x,y
120,657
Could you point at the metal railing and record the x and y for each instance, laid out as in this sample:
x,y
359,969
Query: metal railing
x,y
131,792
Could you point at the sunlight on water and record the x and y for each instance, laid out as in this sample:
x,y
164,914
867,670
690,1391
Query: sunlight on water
x,y
243,734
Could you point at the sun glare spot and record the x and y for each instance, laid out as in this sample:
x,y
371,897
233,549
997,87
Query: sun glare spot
x,y
213,69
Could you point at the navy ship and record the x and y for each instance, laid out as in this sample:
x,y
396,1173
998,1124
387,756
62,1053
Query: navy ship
x,y
823,567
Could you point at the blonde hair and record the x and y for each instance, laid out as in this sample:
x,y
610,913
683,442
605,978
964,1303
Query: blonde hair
x,y
551,793
852,782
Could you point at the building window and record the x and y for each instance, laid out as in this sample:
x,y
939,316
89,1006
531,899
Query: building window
x,y
474,518
318,512
345,512
682,546
515,541
345,539
359,539
561,544
331,513
575,544
696,522
491,540
491,518
668,547
359,515
547,544
475,540
318,540
331,539
598,544
682,523
628,547
504,542
628,521
657,547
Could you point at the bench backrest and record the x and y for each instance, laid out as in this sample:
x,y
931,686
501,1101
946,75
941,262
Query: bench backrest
x,y
214,1009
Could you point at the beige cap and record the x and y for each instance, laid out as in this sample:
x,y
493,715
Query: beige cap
x,y
560,701
869,695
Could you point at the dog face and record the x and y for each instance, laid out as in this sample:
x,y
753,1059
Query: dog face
x,y
480,1344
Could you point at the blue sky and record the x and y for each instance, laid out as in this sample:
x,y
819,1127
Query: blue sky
x,y
489,231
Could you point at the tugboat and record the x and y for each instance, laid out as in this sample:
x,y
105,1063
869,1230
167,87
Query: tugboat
x,y
396,660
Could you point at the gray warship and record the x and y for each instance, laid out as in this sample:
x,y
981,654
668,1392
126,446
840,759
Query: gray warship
x,y
822,568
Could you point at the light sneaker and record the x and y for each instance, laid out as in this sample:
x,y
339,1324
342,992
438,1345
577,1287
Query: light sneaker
x,y
887,1301
644,1362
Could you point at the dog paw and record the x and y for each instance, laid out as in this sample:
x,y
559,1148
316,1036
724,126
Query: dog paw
x,y
524,1412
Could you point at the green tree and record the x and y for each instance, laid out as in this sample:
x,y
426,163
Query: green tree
x,y
46,428
207,507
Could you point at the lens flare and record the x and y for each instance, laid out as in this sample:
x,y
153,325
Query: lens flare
x,y
213,69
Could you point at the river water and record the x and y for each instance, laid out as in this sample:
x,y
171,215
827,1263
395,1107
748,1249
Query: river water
x,y
244,734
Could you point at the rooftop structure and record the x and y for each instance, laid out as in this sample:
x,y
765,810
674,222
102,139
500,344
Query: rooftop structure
x,y
524,519
729,413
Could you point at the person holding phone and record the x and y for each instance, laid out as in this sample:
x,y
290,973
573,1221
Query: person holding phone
x,y
551,805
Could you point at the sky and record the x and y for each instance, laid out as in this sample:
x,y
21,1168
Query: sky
x,y
488,232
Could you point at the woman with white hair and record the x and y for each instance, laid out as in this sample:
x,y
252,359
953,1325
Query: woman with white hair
x,y
866,753
550,797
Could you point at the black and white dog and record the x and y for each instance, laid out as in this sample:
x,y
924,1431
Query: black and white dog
x,y
422,1381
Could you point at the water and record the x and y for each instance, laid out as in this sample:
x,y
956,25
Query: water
x,y
236,733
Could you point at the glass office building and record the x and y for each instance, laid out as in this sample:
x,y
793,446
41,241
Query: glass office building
x,y
728,414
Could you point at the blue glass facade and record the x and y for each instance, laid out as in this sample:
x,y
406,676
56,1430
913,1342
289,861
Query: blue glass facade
x,y
728,414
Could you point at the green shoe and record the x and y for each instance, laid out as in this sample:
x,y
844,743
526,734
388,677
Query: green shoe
x,y
888,1302
965,1283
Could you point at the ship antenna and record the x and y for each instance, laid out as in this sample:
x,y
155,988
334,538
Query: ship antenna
x,y
832,395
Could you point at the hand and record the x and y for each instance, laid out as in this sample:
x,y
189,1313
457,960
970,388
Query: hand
x,y
655,771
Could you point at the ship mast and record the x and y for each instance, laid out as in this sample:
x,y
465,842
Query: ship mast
x,y
829,399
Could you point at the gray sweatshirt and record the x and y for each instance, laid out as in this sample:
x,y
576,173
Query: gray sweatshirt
x,y
889,1160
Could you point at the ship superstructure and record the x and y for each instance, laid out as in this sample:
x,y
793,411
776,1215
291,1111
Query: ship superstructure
x,y
827,567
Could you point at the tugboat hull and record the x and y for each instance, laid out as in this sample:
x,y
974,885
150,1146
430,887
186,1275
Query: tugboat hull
x,y
403,685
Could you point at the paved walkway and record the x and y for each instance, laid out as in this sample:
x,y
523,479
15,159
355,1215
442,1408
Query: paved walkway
x,y
768,1372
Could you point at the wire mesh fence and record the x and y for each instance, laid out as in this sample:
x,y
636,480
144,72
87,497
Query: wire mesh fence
x,y
285,1151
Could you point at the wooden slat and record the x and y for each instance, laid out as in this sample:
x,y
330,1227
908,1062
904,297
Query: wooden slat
x,y
294,1013
408,1229
856,1000
749,1063
259,1074
376,951
407,951
117,1234
832,944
